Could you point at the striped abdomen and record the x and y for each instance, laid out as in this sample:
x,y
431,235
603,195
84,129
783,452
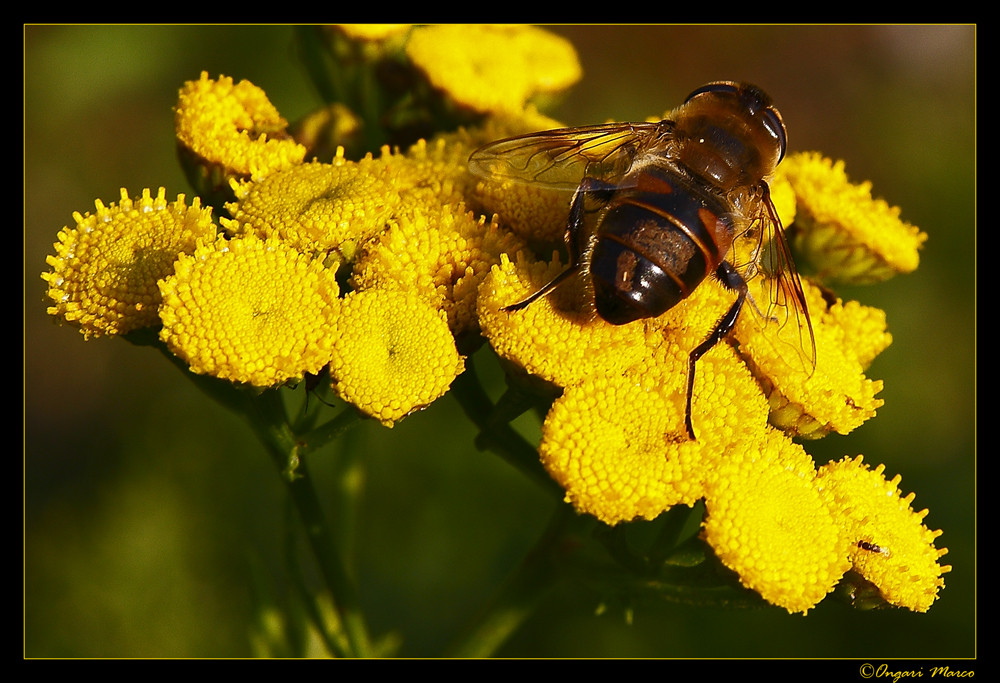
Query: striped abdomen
x,y
656,243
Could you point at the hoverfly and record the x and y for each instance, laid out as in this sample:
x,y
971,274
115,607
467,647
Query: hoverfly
x,y
873,547
673,197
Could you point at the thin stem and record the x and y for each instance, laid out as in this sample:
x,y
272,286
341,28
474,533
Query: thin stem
x,y
318,437
265,413
269,423
498,435
332,637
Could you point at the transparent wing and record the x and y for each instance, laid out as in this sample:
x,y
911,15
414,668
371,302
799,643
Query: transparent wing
x,y
559,159
771,257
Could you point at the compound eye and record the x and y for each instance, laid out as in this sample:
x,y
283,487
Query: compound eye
x,y
727,87
774,124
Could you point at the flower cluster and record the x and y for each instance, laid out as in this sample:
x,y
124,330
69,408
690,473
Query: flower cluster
x,y
255,298
615,437
378,270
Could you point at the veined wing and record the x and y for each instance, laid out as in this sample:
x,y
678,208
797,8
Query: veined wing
x,y
559,159
786,301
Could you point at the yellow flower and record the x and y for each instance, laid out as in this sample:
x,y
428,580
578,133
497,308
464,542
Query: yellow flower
x,y
431,174
769,521
104,271
249,310
842,232
834,394
613,445
616,438
554,338
233,127
886,541
489,68
372,32
316,207
442,255
393,353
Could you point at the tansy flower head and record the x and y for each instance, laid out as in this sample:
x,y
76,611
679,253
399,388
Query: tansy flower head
x,y
488,68
554,338
372,32
431,174
886,541
104,271
832,395
618,443
392,353
249,310
768,521
844,234
442,255
613,445
232,130
316,207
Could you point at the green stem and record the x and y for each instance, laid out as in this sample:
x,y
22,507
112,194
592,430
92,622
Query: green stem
x,y
331,634
331,430
269,423
498,435
265,413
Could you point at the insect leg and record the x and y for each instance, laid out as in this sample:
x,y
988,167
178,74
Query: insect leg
x,y
575,236
731,278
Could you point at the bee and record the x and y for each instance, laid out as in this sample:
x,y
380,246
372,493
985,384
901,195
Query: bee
x,y
671,198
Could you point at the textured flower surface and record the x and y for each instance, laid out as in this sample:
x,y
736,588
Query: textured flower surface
x,y
615,437
250,310
316,207
843,233
886,540
834,395
234,126
393,353
105,269
493,68
443,256
770,522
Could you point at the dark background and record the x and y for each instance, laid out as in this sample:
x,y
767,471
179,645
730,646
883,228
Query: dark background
x,y
152,518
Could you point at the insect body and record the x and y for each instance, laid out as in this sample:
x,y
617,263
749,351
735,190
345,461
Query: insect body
x,y
873,547
673,196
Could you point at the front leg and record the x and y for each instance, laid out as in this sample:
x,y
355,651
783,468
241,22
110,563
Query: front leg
x,y
731,278
575,236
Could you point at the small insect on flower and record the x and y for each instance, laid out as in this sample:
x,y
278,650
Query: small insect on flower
x,y
873,548
674,198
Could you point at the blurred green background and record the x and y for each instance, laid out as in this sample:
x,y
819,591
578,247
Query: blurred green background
x,y
153,521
